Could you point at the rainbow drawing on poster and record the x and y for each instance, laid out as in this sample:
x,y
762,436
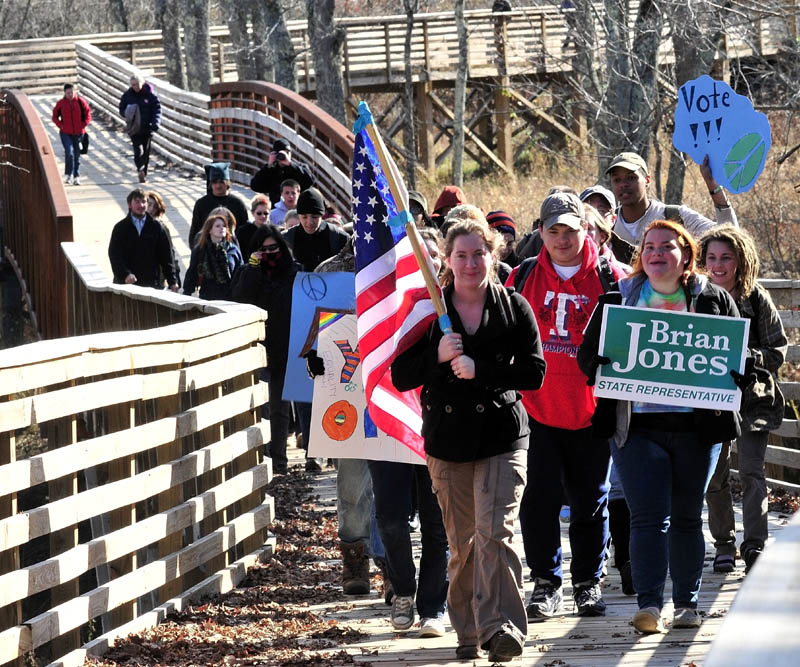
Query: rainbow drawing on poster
x,y
327,319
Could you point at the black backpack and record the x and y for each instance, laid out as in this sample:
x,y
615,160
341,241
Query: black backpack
x,y
604,271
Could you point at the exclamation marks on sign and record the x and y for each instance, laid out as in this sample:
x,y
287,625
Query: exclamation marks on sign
x,y
717,122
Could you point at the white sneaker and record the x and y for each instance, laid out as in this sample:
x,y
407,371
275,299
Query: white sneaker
x,y
402,612
431,627
68,180
76,180
686,618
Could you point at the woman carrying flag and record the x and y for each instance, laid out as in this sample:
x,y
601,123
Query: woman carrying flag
x,y
475,432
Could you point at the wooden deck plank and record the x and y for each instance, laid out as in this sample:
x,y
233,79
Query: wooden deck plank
x,y
564,641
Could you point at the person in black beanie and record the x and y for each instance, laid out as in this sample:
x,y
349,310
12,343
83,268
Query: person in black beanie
x,y
313,240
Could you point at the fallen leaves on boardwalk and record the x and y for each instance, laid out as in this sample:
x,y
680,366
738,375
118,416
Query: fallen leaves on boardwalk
x,y
266,620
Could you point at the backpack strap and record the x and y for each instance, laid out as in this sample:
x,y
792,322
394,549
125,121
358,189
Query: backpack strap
x,y
506,307
606,274
523,272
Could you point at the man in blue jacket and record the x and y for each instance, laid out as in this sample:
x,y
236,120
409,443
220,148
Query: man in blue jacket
x,y
141,109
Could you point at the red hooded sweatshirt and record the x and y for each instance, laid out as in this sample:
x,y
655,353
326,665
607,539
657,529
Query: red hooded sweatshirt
x,y
562,309
451,195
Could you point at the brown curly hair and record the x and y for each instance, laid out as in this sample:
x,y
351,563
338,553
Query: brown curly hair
x,y
744,248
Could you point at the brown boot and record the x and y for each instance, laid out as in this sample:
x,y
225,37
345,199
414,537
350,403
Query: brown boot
x,y
355,569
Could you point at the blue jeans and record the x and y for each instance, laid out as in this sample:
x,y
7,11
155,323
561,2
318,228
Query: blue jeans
x,y
392,485
278,416
665,475
72,153
303,412
355,506
579,462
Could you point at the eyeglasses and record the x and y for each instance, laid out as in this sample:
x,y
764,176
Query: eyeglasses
x,y
261,213
273,247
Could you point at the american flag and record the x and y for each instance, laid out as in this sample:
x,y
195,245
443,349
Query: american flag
x,y
392,302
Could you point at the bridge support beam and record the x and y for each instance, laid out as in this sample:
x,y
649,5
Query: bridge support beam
x,y
502,118
425,126
502,105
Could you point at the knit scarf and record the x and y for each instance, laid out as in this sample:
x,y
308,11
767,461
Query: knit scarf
x,y
214,264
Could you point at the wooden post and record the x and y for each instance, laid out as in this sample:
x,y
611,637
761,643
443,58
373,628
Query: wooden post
x,y
306,64
122,417
60,433
759,27
388,52
502,106
721,70
426,43
10,615
425,140
133,53
792,10
167,407
346,67
543,28
579,127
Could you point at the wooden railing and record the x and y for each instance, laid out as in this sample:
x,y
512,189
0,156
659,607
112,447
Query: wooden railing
x,y
247,116
373,52
184,136
761,626
148,487
783,462
237,123
35,213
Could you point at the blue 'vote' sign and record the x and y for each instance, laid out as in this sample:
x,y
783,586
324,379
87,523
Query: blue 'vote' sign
x,y
712,119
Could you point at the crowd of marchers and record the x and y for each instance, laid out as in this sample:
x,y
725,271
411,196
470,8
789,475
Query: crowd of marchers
x,y
511,425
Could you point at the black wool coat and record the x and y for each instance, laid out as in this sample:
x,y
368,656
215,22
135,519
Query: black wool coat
x,y
467,420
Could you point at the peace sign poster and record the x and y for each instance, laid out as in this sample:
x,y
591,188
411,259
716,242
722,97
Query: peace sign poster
x,y
340,423
312,293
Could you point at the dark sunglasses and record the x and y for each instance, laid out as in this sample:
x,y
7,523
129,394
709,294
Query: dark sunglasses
x,y
261,213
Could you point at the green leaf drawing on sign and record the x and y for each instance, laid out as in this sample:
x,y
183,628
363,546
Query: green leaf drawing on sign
x,y
743,162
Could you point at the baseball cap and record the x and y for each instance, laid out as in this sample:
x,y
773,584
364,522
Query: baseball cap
x,y
605,193
281,145
630,161
415,195
562,208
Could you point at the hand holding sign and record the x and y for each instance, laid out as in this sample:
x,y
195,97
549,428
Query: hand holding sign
x,y
711,119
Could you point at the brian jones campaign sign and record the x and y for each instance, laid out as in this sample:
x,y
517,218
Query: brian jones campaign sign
x,y
671,358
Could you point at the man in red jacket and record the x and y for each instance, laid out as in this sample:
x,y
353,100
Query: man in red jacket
x,y
71,114
563,286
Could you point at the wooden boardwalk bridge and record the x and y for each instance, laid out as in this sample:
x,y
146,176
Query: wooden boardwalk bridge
x,y
131,474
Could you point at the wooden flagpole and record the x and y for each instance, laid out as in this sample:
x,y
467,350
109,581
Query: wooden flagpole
x,y
431,281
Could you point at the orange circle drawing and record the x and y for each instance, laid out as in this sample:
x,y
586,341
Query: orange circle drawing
x,y
339,420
